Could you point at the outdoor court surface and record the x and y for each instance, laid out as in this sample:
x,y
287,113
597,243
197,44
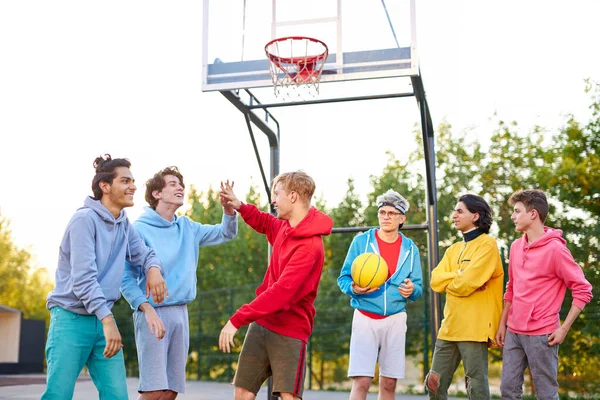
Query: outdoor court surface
x,y
85,390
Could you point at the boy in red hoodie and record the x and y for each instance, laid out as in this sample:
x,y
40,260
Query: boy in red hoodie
x,y
540,269
281,317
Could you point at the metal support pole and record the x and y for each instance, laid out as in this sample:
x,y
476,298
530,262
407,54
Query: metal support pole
x,y
273,137
432,233
274,171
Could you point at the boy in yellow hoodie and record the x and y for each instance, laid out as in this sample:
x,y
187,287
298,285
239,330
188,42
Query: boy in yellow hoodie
x,y
472,277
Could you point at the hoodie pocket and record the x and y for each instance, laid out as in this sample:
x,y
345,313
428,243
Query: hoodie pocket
x,y
521,314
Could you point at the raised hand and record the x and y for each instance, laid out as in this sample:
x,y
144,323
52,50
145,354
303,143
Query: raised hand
x,y
227,197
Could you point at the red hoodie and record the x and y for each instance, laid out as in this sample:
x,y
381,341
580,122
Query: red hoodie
x,y
539,274
284,301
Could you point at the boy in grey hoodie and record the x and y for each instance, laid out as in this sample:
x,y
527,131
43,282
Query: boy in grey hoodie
x,y
97,242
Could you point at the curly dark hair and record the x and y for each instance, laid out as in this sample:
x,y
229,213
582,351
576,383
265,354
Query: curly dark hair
x,y
157,182
105,167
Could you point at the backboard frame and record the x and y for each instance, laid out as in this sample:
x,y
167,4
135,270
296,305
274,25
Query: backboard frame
x,y
341,65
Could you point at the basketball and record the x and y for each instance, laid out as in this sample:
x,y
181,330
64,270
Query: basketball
x,y
369,270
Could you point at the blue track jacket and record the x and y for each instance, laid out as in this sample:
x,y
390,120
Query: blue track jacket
x,y
387,300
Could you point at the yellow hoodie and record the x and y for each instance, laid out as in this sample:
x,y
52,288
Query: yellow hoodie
x,y
471,275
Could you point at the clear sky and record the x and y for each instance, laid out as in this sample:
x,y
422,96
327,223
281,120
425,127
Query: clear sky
x,y
80,78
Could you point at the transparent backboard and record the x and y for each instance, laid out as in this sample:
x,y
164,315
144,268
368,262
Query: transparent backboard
x,y
366,39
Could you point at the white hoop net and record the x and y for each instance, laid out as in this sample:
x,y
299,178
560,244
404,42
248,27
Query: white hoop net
x,y
295,64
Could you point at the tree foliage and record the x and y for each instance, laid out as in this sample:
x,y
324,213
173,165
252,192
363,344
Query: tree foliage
x,y
18,276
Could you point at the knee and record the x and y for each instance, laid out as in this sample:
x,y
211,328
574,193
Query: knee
x,y
114,391
510,389
153,395
387,385
169,395
432,382
241,393
361,384
288,396
476,388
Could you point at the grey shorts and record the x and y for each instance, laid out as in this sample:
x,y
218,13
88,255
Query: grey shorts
x,y
162,362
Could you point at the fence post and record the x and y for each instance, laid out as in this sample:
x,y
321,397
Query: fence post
x,y
426,330
310,362
229,355
199,367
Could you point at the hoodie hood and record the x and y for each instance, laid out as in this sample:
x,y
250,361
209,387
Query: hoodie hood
x,y
102,211
152,218
315,223
549,236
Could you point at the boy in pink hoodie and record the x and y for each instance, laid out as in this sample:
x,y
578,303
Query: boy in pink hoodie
x,y
540,269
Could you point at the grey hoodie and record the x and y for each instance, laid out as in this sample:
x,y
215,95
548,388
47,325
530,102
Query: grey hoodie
x,y
92,257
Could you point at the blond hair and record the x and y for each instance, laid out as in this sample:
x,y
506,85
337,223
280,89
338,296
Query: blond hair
x,y
297,181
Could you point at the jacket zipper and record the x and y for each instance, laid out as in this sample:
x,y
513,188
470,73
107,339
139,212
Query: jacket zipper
x,y
460,255
409,252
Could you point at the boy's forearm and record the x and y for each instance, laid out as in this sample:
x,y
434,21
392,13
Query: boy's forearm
x,y
505,310
571,317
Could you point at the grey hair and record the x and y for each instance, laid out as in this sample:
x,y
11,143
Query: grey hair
x,y
394,199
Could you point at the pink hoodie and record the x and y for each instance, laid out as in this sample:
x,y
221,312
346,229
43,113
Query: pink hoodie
x,y
539,274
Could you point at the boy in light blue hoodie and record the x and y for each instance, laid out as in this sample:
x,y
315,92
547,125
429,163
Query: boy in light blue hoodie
x,y
96,243
162,331
379,323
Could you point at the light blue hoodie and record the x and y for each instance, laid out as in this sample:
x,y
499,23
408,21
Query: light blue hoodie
x,y
387,300
176,244
91,260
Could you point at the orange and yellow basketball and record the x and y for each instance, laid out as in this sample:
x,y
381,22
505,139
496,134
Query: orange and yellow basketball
x,y
369,270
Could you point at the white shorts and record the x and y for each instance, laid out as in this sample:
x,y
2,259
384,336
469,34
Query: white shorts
x,y
377,339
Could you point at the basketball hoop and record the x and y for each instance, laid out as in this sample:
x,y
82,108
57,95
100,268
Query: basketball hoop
x,y
295,64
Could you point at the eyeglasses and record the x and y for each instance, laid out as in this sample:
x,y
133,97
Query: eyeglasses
x,y
389,214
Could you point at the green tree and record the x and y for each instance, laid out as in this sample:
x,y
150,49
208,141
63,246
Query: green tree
x,y
572,177
22,286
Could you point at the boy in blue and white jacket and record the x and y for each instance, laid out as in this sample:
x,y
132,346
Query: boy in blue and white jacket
x,y
162,331
379,323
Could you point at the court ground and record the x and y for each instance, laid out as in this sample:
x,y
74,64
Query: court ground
x,y
32,387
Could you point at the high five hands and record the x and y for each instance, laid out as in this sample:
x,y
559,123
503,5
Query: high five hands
x,y
227,197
